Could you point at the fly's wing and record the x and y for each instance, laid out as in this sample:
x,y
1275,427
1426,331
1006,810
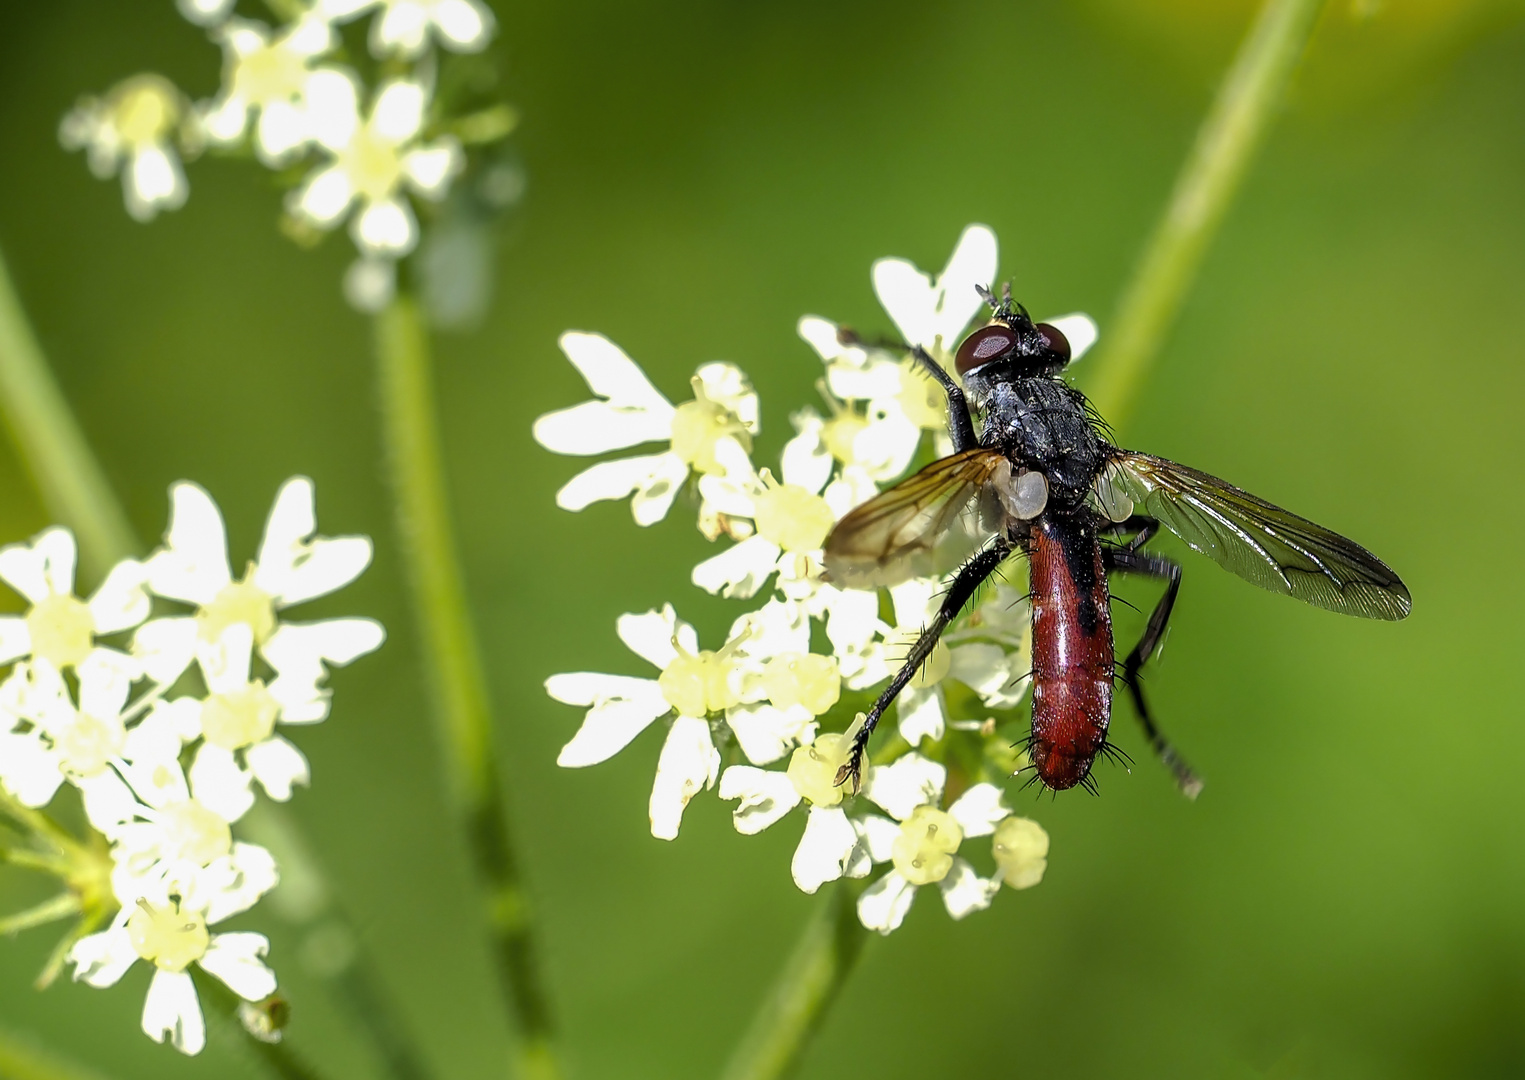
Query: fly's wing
x,y
892,536
1262,543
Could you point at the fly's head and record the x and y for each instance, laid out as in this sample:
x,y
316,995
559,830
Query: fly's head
x,y
1010,346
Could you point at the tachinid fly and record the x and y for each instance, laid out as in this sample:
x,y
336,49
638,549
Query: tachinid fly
x,y
1045,482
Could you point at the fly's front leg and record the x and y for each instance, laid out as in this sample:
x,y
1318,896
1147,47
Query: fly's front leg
x,y
1129,559
969,579
960,424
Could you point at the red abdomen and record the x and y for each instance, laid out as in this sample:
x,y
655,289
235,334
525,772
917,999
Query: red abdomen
x,y
1072,650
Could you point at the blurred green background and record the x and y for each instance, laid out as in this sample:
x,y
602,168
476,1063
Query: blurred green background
x,y
1347,899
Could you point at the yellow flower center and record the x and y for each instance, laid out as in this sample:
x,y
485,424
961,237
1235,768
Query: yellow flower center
x,y
167,936
240,718
62,630
699,424
194,833
813,769
806,679
374,165
1020,847
238,602
700,685
144,109
790,516
921,398
923,852
88,743
271,73
840,432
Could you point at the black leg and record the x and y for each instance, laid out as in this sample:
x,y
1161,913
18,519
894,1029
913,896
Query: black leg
x,y
1130,560
969,579
960,425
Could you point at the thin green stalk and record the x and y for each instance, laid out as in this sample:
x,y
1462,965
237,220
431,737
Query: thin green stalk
x,y
1209,180
789,1016
21,1060
277,1057
59,907
68,476
452,659
73,487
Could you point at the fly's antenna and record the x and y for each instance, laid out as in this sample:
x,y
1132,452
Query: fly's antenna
x,y
1006,309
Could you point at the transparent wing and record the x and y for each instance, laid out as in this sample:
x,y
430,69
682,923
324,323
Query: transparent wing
x,y
893,536
1262,543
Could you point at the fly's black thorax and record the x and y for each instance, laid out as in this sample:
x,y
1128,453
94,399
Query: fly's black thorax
x,y
1040,423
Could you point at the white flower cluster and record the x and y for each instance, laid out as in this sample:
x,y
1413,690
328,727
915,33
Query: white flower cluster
x,y
769,695
168,735
282,94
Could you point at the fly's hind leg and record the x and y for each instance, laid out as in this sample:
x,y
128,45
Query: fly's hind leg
x,y
1129,559
964,586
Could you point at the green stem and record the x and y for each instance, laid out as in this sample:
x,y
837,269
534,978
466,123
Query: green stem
x,y
70,480
224,1004
812,977
1209,180
20,1060
74,488
59,907
461,710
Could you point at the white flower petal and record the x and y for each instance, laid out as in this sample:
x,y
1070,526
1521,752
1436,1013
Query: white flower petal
x,y
825,848
877,379
332,102
25,569
324,197
219,784
988,670
193,566
805,461
973,262
465,24
964,891
978,809
102,959
165,647
740,570
650,635
205,12
277,765
235,959
689,762
766,733
305,647
922,714
429,169
15,638
153,179
59,556
884,904
28,769
596,427
328,564
903,785
1079,330
398,113
402,28
765,797
878,835
657,477
225,662
386,227
283,129
172,1009
293,518
238,880
622,708
121,601
612,375
109,802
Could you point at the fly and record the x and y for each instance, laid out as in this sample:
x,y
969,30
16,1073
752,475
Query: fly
x,y
1047,483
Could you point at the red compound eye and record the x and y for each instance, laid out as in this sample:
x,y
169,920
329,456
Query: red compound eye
x,y
1054,341
987,344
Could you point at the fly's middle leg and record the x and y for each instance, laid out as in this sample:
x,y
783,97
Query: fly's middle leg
x,y
1129,559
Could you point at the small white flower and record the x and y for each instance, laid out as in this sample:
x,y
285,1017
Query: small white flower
x,y
59,628
1020,847
238,723
403,27
132,129
832,845
163,929
370,284
373,160
268,73
711,434
693,684
791,519
783,685
924,846
80,744
293,566
879,438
